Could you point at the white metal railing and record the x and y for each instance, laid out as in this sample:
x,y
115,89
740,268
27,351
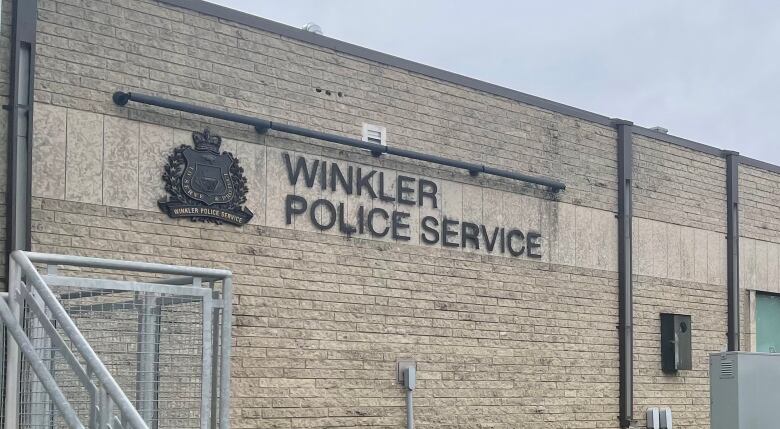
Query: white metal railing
x,y
78,345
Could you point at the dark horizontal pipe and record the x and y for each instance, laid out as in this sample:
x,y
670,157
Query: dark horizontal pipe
x,y
261,125
121,99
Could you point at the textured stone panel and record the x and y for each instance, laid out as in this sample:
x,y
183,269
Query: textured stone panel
x,y
473,212
452,195
277,188
605,240
761,262
687,253
659,249
748,263
49,145
120,166
560,225
674,250
586,252
642,246
84,168
773,267
384,184
716,256
701,263
155,145
429,210
252,158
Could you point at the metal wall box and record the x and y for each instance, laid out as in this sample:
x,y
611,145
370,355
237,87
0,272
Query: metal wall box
x,y
744,390
665,417
653,419
676,348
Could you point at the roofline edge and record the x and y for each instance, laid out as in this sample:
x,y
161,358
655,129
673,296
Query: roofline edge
x,y
226,13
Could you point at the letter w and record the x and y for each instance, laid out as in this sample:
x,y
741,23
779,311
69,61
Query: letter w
x,y
309,176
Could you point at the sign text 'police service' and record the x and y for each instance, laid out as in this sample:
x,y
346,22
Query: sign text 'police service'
x,y
370,185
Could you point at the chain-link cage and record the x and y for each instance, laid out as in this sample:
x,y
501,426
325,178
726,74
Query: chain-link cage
x,y
158,340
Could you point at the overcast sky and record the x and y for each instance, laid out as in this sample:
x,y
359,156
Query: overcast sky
x,y
708,70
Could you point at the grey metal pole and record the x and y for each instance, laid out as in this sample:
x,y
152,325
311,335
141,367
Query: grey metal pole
x,y
206,358
13,354
410,382
224,370
409,409
625,271
148,339
732,247
39,368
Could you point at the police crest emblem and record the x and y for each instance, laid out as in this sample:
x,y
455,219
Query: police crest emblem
x,y
204,184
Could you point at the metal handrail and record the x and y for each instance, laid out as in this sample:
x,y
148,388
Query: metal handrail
x,y
73,333
116,264
206,274
34,289
44,376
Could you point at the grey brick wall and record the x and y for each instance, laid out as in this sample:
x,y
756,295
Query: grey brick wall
x,y
687,393
89,49
679,185
320,319
759,204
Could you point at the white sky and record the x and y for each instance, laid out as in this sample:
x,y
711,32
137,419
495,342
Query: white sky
x,y
708,70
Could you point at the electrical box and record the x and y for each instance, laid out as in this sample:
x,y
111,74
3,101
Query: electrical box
x,y
676,347
744,391
653,419
665,415
401,365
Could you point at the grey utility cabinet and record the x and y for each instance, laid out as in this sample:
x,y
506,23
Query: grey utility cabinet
x,y
744,390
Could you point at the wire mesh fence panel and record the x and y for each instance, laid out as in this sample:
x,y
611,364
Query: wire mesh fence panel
x,y
151,343
2,373
180,365
36,410
117,350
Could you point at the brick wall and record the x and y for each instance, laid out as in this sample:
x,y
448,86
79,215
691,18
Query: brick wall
x,y
679,263
321,319
90,49
679,185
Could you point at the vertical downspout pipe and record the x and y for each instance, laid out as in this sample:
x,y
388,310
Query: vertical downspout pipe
x,y
732,247
21,89
625,153
20,124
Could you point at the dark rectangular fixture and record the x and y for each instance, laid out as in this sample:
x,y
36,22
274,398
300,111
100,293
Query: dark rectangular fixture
x,y
676,345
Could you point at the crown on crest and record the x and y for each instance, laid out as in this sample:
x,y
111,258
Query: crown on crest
x,y
206,141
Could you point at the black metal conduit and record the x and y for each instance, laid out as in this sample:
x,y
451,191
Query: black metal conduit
x,y
625,271
732,247
20,124
262,125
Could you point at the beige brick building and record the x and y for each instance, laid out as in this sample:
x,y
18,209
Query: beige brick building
x,y
503,337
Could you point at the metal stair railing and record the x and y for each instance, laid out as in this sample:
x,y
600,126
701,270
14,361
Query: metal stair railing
x,y
44,342
16,331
